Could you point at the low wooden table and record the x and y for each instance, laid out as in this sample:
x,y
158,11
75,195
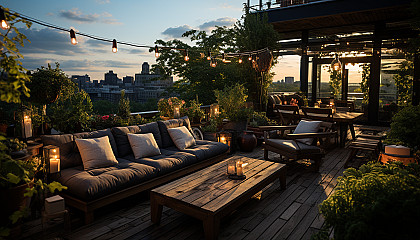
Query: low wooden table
x,y
210,195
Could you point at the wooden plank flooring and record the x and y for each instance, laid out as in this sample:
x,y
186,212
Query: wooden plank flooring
x,y
272,214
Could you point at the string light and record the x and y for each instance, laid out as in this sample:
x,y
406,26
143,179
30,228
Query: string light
x,y
114,46
223,57
186,57
73,37
157,54
240,60
250,58
336,64
4,24
208,55
213,62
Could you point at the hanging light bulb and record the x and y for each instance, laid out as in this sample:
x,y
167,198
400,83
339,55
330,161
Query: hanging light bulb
x,y
223,57
336,64
114,46
213,62
186,57
73,37
4,24
240,60
157,54
250,58
208,55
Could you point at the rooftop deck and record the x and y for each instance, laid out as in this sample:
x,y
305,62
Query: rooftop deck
x,y
272,214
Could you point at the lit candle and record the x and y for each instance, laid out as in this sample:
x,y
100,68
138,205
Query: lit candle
x,y
223,140
231,170
239,170
27,122
54,165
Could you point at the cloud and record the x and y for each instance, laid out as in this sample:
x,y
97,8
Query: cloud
x,y
49,41
103,1
76,15
226,21
176,32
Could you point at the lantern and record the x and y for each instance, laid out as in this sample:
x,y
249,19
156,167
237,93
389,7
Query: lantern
x,y
52,156
214,110
177,109
26,124
224,137
336,64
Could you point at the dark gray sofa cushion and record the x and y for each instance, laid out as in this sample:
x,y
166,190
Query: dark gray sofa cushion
x,y
154,129
291,146
121,139
204,149
172,123
68,157
98,134
96,183
168,161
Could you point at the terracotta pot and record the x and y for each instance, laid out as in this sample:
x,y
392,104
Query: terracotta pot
x,y
247,141
11,200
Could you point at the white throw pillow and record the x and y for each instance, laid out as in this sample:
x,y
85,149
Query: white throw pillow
x,y
181,137
307,127
143,145
96,152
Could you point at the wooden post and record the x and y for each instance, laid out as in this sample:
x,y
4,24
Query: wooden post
x,y
314,79
375,75
416,80
304,63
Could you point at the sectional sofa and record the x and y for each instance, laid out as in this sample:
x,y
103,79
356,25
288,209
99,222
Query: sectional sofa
x,y
92,189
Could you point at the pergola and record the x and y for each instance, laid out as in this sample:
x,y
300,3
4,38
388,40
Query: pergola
x,y
315,29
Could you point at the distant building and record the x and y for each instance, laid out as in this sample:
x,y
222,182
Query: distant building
x,y
111,78
289,80
82,81
145,68
128,80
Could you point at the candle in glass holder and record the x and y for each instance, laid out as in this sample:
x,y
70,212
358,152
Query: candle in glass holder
x,y
239,169
231,168
54,165
27,122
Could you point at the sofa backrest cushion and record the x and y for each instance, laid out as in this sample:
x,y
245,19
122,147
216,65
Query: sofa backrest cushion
x,y
96,152
98,134
68,157
154,129
121,139
172,123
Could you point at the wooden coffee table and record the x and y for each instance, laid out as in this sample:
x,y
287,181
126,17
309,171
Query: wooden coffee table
x,y
210,195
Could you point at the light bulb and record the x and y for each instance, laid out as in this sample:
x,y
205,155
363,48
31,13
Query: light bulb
x,y
208,55
4,24
223,57
249,58
73,37
157,54
240,60
186,57
114,46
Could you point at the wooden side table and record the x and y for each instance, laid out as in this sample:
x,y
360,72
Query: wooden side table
x,y
63,214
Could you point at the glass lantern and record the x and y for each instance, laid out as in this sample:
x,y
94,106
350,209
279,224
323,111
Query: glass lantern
x,y
235,168
52,156
177,111
26,124
214,110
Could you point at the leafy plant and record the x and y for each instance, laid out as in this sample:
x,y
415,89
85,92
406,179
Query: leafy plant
x,y
124,107
166,106
13,77
260,119
364,86
405,127
335,81
404,82
72,114
193,110
232,100
375,202
13,145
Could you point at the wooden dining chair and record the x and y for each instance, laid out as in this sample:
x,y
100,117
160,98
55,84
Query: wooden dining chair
x,y
288,114
323,114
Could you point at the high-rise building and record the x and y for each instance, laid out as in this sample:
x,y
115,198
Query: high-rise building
x,y
289,80
110,78
145,68
82,81
128,80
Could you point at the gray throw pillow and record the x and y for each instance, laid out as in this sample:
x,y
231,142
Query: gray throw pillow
x,y
307,127
143,145
96,152
181,137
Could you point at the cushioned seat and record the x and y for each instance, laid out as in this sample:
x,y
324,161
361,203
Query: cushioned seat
x,y
168,160
93,184
292,146
204,149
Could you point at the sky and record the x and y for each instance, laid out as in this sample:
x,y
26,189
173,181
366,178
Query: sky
x,y
136,21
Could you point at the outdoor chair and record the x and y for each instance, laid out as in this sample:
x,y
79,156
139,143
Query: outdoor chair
x,y
315,113
300,143
288,114
345,104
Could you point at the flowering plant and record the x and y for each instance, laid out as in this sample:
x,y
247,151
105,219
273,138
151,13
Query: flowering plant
x,y
166,106
193,111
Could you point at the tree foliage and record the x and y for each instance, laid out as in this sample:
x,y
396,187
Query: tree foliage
x,y
124,106
198,78
364,84
12,74
404,82
405,127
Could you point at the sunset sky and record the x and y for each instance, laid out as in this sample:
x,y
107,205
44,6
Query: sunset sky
x,y
136,21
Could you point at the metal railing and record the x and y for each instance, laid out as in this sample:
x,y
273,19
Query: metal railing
x,y
261,6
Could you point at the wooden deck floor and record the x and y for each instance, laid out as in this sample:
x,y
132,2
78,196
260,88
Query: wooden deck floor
x,y
272,214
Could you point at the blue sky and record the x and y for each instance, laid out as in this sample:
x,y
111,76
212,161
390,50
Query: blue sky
x,y
135,21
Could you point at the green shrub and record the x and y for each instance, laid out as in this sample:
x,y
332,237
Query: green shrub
x,y
375,202
232,102
405,127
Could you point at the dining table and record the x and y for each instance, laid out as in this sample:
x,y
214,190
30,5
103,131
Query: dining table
x,y
344,120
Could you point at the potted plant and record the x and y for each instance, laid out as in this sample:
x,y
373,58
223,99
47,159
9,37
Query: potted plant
x,y
194,112
166,106
211,128
19,181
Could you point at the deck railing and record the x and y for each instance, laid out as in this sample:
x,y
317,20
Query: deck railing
x,y
265,5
